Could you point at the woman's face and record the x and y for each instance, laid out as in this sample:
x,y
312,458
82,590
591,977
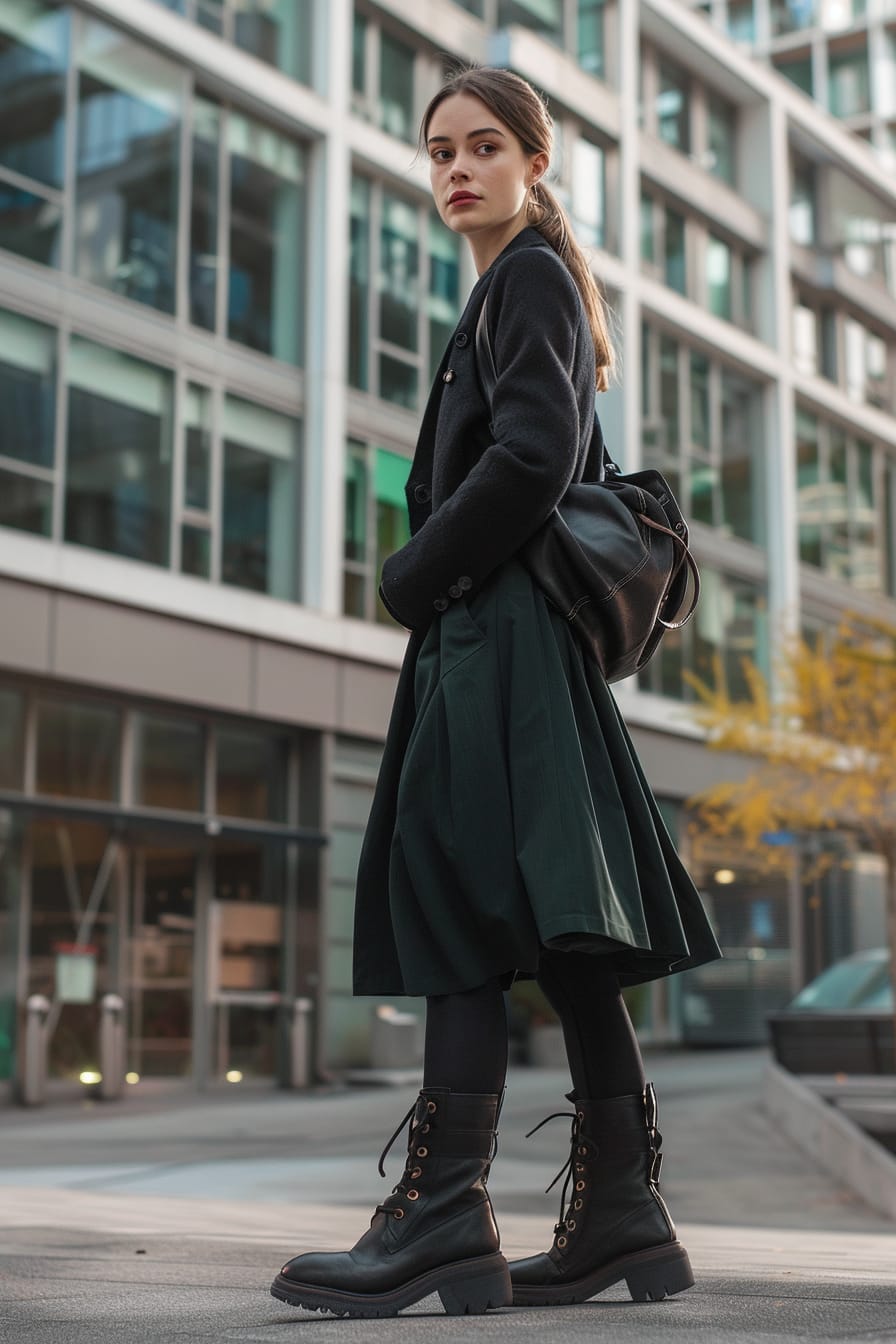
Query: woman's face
x,y
479,171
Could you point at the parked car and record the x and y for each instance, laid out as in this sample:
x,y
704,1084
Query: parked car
x,y
842,1021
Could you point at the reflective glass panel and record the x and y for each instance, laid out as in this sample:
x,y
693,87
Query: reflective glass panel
x,y
118,485
26,503
647,231
849,88
673,107
722,139
129,103
204,259
867,559
27,389
12,739
591,36
77,749
588,192
699,379
258,541
163,922
169,762
392,530
542,16
197,446
809,490
359,284
34,41
399,278
803,203
741,465
29,225
277,32
396,95
444,288
359,54
251,774
799,72
265,300
669,396
399,382
718,277
196,551
356,487
675,262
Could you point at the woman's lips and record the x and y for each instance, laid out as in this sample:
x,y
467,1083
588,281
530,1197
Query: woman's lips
x,y
466,199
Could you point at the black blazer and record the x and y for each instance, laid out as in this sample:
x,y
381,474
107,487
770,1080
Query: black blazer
x,y
484,479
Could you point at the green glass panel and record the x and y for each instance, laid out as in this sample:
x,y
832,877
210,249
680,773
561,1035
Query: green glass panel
x,y
391,474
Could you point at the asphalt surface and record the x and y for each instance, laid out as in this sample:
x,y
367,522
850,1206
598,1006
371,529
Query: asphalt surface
x,y
164,1218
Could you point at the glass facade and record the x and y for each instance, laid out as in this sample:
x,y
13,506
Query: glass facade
x,y
376,524
404,293
843,483
258,528
277,32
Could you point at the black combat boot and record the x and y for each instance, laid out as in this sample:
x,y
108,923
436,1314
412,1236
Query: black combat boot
x,y
615,1225
436,1232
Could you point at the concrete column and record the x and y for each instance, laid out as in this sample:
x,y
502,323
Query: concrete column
x,y
326,328
628,61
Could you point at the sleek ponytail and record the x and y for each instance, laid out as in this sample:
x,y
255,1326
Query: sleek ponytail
x,y
517,104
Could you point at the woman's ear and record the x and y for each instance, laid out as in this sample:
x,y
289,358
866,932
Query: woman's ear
x,y
538,166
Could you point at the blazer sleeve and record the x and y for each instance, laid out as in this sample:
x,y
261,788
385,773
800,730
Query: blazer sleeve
x,y
534,311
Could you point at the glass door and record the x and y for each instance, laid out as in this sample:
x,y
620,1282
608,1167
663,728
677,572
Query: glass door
x,y
163,924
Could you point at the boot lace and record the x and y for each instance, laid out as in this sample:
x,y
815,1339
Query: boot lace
x,y
581,1147
416,1150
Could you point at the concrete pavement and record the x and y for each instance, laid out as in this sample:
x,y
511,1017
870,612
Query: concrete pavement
x,y
164,1219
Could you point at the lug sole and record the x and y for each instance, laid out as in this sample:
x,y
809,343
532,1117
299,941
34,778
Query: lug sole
x,y
466,1288
651,1275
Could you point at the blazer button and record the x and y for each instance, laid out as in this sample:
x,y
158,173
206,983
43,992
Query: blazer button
x,y
455,591
441,604
461,339
422,494
448,376
465,583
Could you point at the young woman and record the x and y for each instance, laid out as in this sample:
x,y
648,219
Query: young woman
x,y
512,831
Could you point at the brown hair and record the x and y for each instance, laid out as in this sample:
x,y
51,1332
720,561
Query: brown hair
x,y
516,103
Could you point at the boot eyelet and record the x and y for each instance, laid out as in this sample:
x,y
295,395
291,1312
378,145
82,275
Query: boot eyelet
x,y
579,1168
398,1213
561,1242
571,1225
578,1204
580,1115
425,1129
413,1194
423,1152
418,1171
580,1185
582,1152
431,1107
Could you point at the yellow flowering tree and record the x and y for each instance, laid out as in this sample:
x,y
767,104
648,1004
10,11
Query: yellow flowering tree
x,y
822,747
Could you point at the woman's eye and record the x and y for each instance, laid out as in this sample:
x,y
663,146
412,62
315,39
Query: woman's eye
x,y
437,155
489,149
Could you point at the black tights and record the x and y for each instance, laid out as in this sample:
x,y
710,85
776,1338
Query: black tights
x,y
466,1034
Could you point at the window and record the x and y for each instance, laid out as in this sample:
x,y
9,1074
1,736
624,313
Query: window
x,y
129,114
277,32
195,520
265,302
805,339
12,739
118,485
34,44
542,16
169,762
791,16
866,365
673,111
77,749
849,91
404,293
591,45
587,203
703,431
803,202
718,277
841,518
675,268
250,774
799,72
27,423
741,21
729,626
396,91
205,263
721,139
860,227
376,524
260,499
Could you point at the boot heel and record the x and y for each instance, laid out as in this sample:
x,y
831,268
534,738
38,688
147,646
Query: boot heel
x,y
654,1279
475,1293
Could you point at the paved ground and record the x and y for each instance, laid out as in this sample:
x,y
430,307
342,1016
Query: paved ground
x,y
164,1220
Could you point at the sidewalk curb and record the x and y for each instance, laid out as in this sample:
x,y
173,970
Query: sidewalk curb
x,y
830,1138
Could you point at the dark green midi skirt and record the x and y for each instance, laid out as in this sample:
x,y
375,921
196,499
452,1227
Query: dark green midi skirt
x,y
521,815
